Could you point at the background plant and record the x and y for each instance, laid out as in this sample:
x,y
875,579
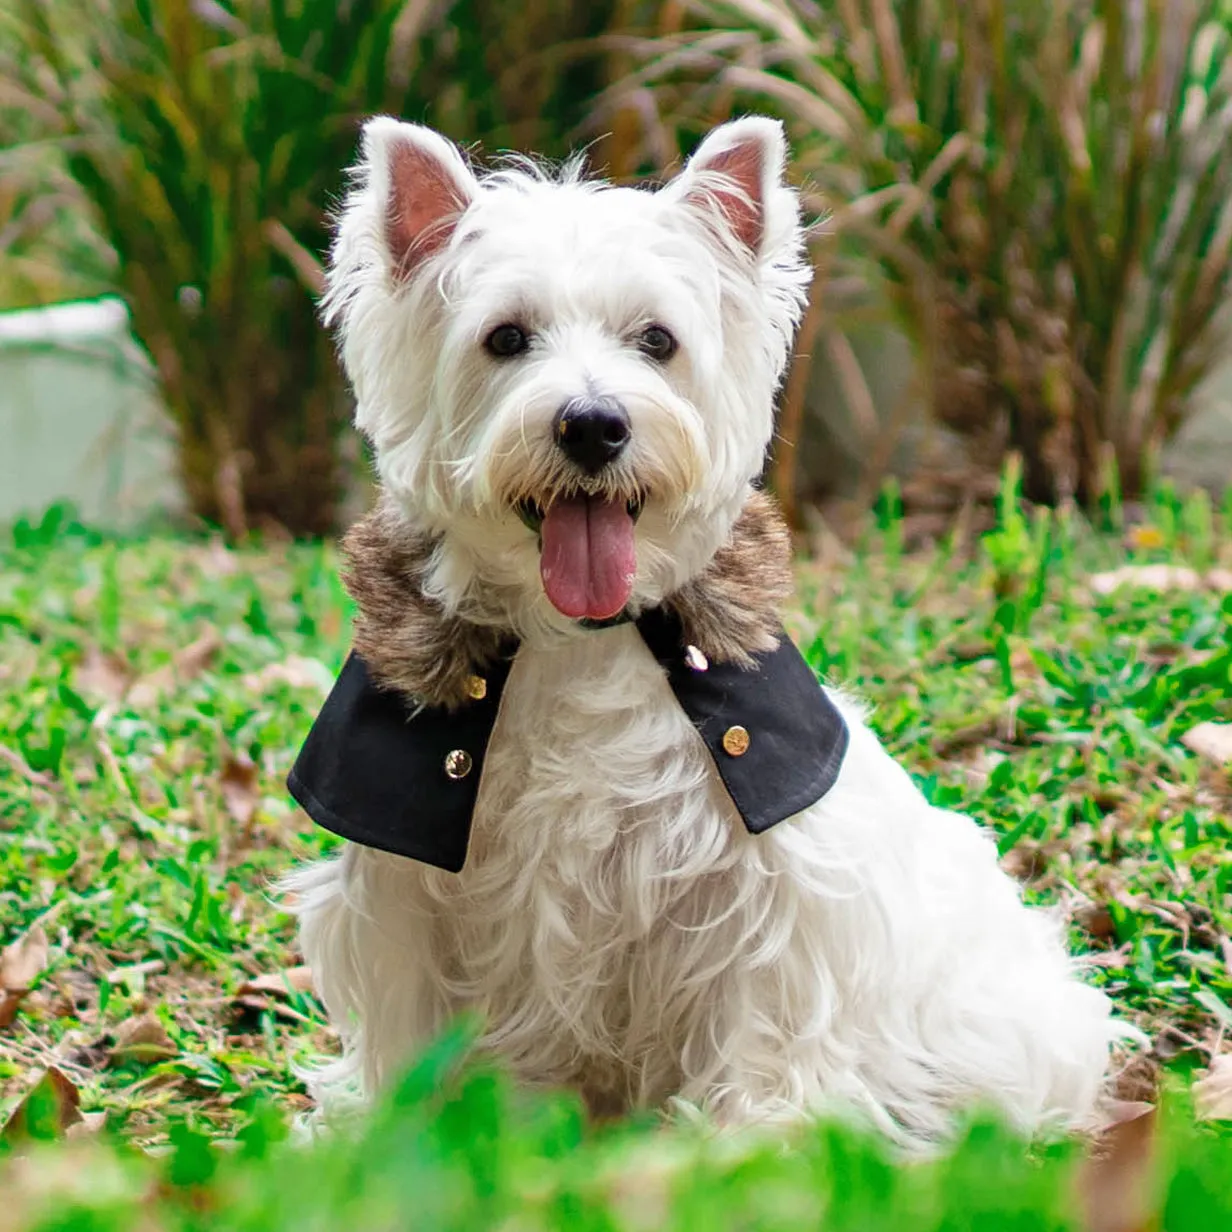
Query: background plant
x,y
1046,186
207,142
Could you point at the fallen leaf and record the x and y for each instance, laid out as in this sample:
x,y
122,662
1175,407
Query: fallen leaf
x,y
102,675
134,973
1159,577
297,671
279,983
1119,1111
90,1124
21,963
190,662
1134,1086
186,665
1210,740
269,991
238,783
152,687
1213,1091
53,1101
143,1039
91,1055
1114,1182
1097,920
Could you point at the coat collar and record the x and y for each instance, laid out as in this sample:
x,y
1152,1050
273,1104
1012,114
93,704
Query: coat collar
x,y
383,772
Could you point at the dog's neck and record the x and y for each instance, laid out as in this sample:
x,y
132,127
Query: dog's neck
x,y
411,643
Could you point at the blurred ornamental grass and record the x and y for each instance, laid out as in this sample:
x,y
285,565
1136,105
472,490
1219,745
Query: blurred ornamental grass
x,y
207,140
1045,185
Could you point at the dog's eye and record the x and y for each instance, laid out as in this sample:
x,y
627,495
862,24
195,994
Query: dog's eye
x,y
658,343
507,340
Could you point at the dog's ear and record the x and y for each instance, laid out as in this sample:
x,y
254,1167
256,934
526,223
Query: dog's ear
x,y
735,179
424,184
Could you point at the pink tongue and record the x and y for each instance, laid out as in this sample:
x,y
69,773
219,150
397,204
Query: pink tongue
x,y
589,559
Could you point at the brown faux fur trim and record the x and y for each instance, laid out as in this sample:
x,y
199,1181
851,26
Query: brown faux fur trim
x,y
730,611
409,641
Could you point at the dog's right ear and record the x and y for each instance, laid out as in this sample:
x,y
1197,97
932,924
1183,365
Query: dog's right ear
x,y
424,183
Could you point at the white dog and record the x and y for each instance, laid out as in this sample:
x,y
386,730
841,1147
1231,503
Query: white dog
x,y
569,387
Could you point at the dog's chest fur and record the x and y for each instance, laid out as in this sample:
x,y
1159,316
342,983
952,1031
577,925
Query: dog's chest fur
x,y
603,842
609,877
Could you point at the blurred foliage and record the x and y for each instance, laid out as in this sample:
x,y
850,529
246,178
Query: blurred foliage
x,y
1042,185
455,1147
207,141
1045,184
48,251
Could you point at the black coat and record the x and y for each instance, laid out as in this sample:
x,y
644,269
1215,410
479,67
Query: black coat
x,y
379,771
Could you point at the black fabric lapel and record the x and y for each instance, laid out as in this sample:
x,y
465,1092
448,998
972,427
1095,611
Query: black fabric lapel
x,y
796,736
373,768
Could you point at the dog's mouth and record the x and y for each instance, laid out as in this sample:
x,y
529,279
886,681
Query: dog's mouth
x,y
587,552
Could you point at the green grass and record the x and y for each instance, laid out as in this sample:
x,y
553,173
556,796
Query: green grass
x,y
143,816
456,1147
124,842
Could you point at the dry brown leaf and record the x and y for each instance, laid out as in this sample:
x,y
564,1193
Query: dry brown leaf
x,y
279,983
296,670
90,1124
135,971
1119,1111
102,676
151,687
1160,577
1097,920
269,990
143,1039
190,662
21,963
62,1101
1114,1183
1213,1091
238,783
1210,740
186,664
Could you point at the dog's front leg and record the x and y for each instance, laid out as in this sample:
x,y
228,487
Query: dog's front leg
x,y
364,934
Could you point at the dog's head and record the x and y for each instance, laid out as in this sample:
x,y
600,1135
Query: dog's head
x,y
570,383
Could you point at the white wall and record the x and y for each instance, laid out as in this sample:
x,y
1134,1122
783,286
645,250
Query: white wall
x,y
80,418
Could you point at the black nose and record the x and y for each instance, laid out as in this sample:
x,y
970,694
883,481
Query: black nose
x,y
592,432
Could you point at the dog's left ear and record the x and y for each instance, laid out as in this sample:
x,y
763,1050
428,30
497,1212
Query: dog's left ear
x,y
735,179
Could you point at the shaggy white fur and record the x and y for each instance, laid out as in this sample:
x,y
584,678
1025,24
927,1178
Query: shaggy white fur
x,y
615,924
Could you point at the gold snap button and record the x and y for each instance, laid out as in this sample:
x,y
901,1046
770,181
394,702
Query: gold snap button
x,y
458,764
736,741
695,659
476,688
